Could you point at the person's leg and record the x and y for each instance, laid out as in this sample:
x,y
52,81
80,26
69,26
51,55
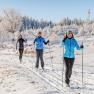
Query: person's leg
x,y
41,58
20,54
37,58
67,70
71,66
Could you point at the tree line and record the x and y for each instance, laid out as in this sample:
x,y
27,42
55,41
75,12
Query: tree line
x,y
11,21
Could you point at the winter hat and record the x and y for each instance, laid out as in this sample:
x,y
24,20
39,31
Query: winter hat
x,y
70,32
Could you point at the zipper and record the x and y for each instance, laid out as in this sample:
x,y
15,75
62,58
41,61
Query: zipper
x,y
70,48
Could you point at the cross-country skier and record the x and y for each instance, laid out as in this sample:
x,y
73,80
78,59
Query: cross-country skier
x,y
21,46
39,43
70,44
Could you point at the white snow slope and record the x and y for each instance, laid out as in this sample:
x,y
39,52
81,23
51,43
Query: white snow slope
x,y
23,78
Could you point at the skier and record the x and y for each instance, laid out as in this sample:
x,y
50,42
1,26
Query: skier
x,y
21,46
39,42
70,44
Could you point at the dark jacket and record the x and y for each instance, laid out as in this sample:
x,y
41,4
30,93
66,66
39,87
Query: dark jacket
x,y
21,43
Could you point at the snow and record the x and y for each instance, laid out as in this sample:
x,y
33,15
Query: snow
x,y
23,78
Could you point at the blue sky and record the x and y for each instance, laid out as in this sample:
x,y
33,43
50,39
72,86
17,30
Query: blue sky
x,y
54,10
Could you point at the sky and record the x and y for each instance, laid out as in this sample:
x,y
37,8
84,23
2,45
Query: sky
x,y
54,10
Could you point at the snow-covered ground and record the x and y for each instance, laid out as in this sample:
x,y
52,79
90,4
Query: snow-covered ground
x,y
23,78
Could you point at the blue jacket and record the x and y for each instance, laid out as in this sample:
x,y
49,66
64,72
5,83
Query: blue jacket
x,y
70,45
39,43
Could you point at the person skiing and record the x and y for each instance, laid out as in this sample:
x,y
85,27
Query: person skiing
x,y
21,46
70,44
39,43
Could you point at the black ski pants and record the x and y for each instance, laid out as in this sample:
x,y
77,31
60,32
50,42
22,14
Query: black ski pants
x,y
20,53
69,65
39,55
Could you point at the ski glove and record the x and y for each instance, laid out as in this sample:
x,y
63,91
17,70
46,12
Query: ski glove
x,y
48,41
64,39
81,46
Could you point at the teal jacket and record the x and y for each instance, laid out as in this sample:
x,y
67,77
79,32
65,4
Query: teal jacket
x,y
69,46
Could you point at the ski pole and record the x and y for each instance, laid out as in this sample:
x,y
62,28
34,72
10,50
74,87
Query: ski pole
x,y
83,59
82,64
51,56
63,66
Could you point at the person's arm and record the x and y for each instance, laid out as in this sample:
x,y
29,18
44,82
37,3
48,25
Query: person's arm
x,y
77,45
46,42
82,46
16,44
65,37
25,40
34,41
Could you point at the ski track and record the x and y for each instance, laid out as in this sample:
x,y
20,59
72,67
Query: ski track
x,y
52,77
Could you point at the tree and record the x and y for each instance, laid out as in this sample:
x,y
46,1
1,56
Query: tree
x,y
11,20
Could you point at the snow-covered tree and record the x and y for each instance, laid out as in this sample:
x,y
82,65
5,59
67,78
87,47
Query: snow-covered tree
x,y
11,20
